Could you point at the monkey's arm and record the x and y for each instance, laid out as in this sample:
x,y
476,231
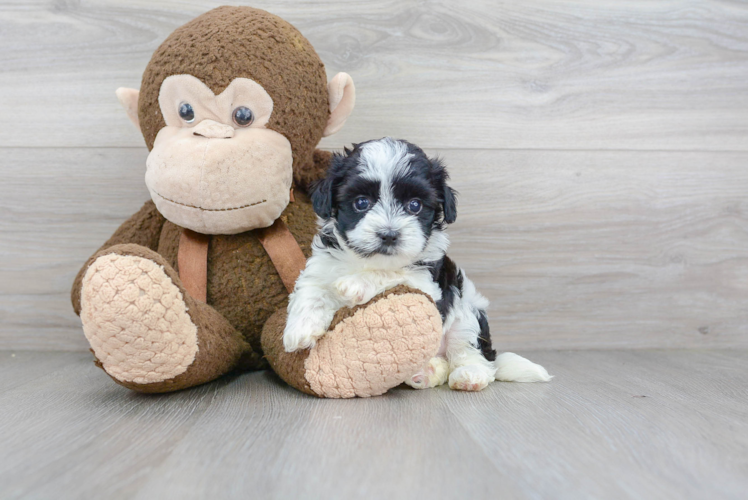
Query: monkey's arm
x,y
143,228
321,162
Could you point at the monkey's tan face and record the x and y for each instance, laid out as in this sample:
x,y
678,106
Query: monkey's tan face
x,y
215,168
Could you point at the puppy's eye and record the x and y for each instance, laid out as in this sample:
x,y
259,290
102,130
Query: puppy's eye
x,y
414,206
186,112
361,204
243,116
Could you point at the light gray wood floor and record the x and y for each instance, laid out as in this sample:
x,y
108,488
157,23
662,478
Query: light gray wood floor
x,y
612,424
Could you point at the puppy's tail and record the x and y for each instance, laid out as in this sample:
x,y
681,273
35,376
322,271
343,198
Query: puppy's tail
x,y
513,368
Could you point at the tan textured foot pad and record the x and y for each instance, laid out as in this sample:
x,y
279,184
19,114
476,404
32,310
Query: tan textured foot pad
x,y
136,320
375,348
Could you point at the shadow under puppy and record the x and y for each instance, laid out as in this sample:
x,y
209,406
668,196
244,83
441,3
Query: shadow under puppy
x,y
383,209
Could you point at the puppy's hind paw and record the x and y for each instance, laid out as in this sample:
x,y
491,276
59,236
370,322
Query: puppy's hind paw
x,y
470,378
434,375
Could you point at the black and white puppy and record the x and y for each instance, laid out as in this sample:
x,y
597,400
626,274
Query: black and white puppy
x,y
383,209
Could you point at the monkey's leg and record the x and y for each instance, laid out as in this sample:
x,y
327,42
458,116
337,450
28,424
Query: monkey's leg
x,y
145,330
368,349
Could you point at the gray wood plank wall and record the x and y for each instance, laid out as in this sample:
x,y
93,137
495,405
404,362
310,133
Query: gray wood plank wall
x,y
600,149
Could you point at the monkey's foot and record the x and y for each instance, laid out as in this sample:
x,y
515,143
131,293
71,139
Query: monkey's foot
x,y
368,349
136,320
145,331
434,375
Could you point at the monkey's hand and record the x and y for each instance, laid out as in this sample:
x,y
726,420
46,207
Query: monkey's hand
x,y
397,333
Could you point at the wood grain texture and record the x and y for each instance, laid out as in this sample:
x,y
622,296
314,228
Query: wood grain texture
x,y
58,206
600,149
584,245
581,74
607,249
22,367
615,424
574,249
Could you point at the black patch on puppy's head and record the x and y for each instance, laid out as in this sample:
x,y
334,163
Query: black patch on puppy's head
x,y
431,173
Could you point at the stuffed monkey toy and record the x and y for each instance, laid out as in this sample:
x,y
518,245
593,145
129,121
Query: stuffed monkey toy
x,y
196,283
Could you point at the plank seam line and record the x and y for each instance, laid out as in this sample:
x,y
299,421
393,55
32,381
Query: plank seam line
x,y
571,150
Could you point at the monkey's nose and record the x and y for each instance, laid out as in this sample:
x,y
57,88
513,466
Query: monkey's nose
x,y
213,130
388,237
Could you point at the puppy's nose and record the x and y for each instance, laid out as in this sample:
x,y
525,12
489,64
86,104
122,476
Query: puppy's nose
x,y
213,130
388,237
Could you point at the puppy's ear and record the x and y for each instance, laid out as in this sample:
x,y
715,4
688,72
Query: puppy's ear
x,y
448,195
450,204
322,198
324,190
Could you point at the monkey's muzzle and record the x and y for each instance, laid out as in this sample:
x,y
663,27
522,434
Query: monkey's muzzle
x,y
201,181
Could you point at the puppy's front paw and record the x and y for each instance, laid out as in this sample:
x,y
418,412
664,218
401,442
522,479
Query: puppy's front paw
x,y
470,378
434,375
355,290
302,334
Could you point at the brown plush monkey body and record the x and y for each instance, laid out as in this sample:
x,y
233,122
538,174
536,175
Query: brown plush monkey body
x,y
195,284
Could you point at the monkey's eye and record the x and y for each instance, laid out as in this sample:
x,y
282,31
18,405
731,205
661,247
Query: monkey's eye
x,y
414,206
186,112
243,116
361,204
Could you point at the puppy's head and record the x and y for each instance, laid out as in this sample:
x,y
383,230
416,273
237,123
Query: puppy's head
x,y
385,198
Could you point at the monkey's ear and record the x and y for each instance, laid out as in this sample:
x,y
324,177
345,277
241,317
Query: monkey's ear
x,y
322,198
342,95
128,98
